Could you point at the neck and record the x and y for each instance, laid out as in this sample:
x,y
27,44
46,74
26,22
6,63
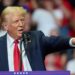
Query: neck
x,y
14,37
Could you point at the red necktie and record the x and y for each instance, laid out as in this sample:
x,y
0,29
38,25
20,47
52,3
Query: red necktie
x,y
17,57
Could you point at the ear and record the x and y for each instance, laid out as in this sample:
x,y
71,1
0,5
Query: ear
x,y
5,26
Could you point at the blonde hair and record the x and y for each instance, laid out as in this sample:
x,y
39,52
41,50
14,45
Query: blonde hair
x,y
11,10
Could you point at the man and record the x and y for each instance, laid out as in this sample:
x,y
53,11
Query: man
x,y
35,49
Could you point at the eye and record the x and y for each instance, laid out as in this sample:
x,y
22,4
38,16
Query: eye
x,y
22,19
15,21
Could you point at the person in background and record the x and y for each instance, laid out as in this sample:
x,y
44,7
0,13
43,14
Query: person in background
x,y
69,30
28,21
50,62
33,5
5,3
24,3
66,8
71,64
56,61
43,18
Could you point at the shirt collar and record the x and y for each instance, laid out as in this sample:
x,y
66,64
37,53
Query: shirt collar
x,y
10,39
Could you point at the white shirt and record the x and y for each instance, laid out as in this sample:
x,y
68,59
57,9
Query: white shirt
x,y
58,13
71,66
10,51
45,21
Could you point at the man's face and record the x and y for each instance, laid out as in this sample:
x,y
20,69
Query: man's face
x,y
48,3
15,26
7,2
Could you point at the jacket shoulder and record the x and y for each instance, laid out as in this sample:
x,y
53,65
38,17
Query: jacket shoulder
x,y
2,38
37,33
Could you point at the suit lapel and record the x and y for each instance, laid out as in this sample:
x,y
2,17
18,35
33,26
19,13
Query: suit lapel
x,y
29,50
3,54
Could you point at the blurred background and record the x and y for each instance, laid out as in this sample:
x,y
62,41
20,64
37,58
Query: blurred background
x,y
53,18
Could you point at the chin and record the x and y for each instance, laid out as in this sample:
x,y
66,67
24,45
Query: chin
x,y
19,35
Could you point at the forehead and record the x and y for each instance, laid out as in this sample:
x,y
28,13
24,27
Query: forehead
x,y
15,16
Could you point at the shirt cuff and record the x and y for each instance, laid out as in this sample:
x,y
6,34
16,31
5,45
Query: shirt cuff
x,y
70,43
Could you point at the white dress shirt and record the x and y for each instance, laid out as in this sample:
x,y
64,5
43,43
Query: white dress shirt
x,y
10,51
45,21
71,66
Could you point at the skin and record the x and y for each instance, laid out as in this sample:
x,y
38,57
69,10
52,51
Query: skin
x,y
15,25
7,2
48,4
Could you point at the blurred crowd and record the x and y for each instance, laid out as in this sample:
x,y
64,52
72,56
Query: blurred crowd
x,y
53,18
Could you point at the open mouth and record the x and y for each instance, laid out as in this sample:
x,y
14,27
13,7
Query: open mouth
x,y
20,30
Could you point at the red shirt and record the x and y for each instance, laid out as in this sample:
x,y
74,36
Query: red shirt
x,y
69,7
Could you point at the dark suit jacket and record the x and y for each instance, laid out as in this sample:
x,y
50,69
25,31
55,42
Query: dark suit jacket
x,y
36,49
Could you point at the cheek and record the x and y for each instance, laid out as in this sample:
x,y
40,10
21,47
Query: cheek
x,y
12,28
